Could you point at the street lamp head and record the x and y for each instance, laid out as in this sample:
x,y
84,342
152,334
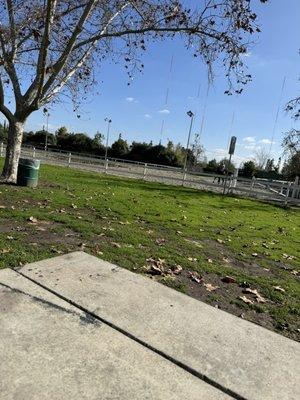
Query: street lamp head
x,y
107,120
190,114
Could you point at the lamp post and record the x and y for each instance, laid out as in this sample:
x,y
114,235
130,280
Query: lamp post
x,y
47,127
191,115
108,120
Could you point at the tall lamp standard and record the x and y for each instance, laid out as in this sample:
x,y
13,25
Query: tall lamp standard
x,y
109,121
47,126
192,116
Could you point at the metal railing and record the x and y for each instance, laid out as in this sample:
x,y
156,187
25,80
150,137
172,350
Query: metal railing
x,y
285,192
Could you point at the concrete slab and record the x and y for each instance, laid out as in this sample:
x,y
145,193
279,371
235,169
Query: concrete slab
x,y
49,350
249,360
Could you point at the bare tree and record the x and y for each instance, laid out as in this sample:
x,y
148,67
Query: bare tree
x,y
50,48
261,157
291,142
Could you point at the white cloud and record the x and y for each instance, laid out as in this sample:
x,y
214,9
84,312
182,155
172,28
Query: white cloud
x,y
249,147
221,152
147,116
130,99
266,141
249,139
164,111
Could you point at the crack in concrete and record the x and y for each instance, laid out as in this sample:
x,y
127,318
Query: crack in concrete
x,y
166,356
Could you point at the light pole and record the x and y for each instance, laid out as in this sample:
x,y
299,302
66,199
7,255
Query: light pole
x,y
108,120
47,127
191,115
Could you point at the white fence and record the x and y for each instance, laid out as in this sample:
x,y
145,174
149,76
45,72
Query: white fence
x,y
276,191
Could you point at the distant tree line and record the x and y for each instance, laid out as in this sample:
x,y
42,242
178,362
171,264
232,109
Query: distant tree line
x,y
171,154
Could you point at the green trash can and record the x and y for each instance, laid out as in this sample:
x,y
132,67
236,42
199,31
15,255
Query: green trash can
x,y
28,172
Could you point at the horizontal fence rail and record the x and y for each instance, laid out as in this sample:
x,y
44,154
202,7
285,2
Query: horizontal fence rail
x,y
284,192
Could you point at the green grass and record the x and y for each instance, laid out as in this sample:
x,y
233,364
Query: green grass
x,y
105,212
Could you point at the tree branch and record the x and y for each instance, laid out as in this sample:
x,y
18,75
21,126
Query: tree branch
x,y
41,64
5,111
57,67
12,26
152,29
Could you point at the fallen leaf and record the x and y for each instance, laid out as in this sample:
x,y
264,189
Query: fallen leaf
x,y
192,259
288,257
2,207
115,244
228,279
294,272
258,296
209,260
33,220
254,254
5,251
246,300
209,287
194,276
279,289
220,241
10,237
160,242
40,229
176,270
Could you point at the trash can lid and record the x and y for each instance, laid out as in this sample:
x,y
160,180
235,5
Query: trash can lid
x,y
27,162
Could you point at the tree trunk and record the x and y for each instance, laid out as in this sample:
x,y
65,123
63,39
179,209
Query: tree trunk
x,y
13,150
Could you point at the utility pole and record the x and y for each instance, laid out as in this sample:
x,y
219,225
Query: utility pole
x,y
191,115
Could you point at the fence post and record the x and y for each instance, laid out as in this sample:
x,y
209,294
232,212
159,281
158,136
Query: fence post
x,y
287,193
1,149
252,184
281,188
295,188
235,176
184,176
145,171
106,166
69,159
33,152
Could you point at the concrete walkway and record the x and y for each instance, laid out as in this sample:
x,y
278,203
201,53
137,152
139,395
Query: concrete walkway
x,y
78,327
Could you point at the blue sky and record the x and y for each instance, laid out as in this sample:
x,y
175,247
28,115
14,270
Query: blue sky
x,y
137,111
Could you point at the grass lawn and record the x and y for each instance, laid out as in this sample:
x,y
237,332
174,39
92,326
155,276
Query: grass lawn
x,y
151,228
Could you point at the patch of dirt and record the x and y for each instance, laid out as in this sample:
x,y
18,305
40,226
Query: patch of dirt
x,y
212,248
227,296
